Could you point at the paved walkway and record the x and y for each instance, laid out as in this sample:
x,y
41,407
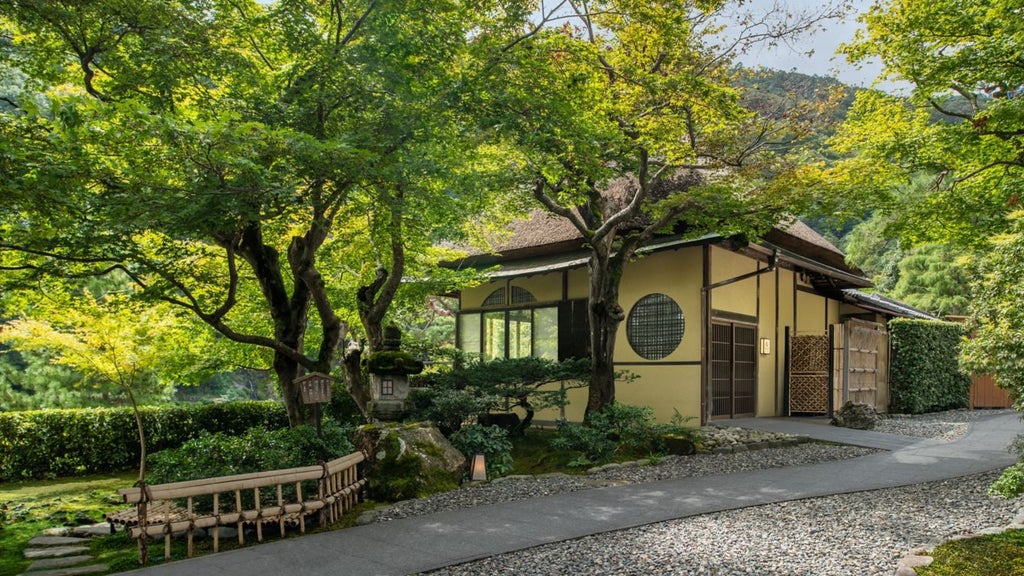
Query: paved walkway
x,y
429,542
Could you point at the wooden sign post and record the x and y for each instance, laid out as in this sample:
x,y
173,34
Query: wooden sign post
x,y
315,389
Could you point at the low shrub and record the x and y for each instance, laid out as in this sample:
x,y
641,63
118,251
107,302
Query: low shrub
x,y
42,444
619,428
491,441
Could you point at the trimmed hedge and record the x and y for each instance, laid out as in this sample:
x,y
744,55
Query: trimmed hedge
x,y
925,370
58,443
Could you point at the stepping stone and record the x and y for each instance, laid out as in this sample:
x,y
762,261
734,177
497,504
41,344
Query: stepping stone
x,y
54,552
51,563
94,569
40,541
102,529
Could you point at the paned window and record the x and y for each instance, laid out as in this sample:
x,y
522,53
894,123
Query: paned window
x,y
512,325
655,326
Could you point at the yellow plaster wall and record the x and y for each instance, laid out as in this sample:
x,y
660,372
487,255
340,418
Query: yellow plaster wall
x,y
810,313
737,297
544,287
579,283
833,311
473,297
677,274
665,388
577,398
767,383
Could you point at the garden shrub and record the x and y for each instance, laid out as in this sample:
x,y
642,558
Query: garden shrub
x,y
449,407
256,450
1011,482
453,397
56,443
615,429
925,370
491,441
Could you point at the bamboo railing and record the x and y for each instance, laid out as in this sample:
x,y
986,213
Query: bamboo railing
x,y
157,512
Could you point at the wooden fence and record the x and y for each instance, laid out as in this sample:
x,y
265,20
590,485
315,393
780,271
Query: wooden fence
x,y
985,393
159,512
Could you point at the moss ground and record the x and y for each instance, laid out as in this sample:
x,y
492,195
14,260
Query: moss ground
x,y
1002,554
28,508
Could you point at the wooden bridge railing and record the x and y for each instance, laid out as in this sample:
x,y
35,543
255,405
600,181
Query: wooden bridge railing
x,y
158,507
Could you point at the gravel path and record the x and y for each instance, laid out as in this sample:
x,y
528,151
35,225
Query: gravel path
x,y
844,535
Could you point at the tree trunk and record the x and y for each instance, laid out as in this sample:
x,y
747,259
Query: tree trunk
x,y
287,370
356,381
605,316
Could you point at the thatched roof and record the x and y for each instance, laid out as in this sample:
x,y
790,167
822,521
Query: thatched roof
x,y
548,237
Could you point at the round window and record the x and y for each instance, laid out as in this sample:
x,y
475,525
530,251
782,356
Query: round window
x,y
655,326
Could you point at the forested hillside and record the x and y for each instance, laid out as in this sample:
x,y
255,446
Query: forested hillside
x,y
931,276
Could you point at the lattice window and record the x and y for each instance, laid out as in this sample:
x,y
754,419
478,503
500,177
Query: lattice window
x,y
501,297
521,296
496,299
655,326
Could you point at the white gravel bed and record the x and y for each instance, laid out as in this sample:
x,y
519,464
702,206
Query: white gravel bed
x,y
844,535
949,425
513,488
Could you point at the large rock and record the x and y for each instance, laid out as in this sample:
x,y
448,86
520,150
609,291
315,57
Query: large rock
x,y
409,460
857,416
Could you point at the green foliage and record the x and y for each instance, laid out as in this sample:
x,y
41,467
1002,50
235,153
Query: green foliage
x,y
53,443
624,120
1011,483
267,141
619,428
449,398
449,408
961,63
997,313
491,441
256,450
925,374
393,362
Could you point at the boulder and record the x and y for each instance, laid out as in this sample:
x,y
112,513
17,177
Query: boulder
x,y
408,460
857,416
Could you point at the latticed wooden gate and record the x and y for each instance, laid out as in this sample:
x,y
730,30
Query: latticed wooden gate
x,y
862,364
809,374
733,370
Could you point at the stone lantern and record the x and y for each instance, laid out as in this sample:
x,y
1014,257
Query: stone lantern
x,y
389,370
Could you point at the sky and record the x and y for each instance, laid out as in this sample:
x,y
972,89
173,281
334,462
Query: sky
x,y
824,61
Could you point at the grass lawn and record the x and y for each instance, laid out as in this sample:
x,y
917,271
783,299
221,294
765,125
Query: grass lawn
x,y
28,508
1001,554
